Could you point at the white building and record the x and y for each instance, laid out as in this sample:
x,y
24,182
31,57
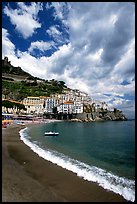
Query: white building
x,y
50,103
34,104
69,102
78,107
40,105
70,107
66,107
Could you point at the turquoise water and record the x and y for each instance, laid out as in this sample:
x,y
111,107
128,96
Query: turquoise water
x,y
105,149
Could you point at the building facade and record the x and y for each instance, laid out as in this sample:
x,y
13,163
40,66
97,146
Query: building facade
x,y
72,101
34,105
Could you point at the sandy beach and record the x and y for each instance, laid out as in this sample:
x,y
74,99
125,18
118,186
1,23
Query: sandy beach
x,y
28,178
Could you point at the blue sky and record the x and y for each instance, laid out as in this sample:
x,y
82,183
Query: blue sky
x,y
89,45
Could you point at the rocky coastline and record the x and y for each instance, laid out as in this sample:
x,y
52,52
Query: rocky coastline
x,y
115,115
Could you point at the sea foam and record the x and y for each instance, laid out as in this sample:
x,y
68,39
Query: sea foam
x,y
107,180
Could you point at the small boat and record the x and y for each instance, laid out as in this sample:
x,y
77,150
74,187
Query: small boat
x,y
51,133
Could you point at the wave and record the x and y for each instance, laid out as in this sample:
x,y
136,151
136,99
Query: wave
x,y
120,185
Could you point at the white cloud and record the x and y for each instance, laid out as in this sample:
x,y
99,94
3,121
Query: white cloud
x,y
33,9
40,45
24,18
45,67
60,9
126,65
8,48
53,31
57,36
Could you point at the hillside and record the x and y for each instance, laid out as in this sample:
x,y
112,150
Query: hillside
x,y
17,84
7,68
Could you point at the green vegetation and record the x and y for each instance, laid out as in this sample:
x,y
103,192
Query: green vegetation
x,y
14,70
9,104
29,86
20,90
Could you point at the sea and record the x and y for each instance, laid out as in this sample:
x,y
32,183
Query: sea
x,y
101,152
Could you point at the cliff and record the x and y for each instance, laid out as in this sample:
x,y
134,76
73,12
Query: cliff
x,y
115,115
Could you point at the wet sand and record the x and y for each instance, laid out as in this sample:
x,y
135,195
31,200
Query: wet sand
x,y
28,178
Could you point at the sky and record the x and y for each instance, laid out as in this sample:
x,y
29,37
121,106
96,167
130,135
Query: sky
x,y
88,45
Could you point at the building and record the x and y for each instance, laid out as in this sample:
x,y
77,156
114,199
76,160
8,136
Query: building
x,y
70,107
49,104
66,107
72,101
6,62
40,105
34,105
78,107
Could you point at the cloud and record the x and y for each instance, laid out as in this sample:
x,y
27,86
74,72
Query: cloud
x,y
125,68
53,31
57,36
60,32
45,67
61,10
40,45
121,35
92,22
8,48
24,18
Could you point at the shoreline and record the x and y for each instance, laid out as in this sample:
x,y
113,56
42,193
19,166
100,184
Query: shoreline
x,y
28,177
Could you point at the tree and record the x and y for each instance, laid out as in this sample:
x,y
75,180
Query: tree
x,y
54,109
20,106
7,104
62,83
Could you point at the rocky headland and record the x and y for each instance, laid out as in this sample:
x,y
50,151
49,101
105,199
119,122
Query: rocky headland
x,y
107,115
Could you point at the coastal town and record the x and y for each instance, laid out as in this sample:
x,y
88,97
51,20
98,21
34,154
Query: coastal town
x,y
71,104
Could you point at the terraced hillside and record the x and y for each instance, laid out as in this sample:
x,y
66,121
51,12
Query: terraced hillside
x,y
17,84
